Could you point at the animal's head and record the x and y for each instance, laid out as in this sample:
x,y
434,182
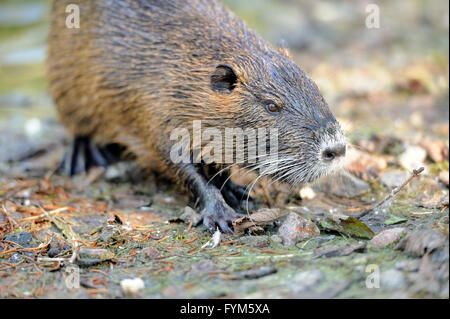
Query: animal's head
x,y
270,91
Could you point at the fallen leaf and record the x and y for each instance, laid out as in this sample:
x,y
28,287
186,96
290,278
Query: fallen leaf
x,y
347,225
262,217
394,220
214,241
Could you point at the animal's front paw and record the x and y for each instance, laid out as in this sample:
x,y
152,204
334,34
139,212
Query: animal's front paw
x,y
218,213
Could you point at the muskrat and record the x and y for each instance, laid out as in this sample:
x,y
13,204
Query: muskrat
x,y
137,69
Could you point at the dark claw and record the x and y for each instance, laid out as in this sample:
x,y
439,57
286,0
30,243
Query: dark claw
x,y
225,227
84,154
209,223
218,213
95,156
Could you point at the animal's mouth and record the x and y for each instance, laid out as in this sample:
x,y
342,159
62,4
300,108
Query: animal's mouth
x,y
306,164
330,160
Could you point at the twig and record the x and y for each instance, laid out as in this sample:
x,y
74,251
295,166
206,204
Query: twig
x,y
12,221
67,231
46,214
40,247
392,194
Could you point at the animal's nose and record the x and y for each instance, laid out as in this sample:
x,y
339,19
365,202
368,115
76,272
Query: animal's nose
x,y
331,153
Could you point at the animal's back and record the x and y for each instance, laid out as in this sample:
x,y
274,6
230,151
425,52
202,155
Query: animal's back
x,y
136,68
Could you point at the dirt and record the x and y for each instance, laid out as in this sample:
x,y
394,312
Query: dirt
x,y
389,90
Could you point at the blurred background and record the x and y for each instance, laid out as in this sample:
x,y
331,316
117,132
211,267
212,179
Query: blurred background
x,y
388,86
391,80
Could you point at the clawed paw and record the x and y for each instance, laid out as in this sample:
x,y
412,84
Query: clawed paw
x,y
219,214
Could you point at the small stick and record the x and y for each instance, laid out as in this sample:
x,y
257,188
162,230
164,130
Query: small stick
x,y
46,214
392,194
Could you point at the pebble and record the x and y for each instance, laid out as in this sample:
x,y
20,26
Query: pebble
x,y
307,193
345,185
296,228
190,215
387,237
22,238
421,242
132,286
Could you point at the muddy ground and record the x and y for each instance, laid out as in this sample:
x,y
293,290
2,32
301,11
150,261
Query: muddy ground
x,y
387,86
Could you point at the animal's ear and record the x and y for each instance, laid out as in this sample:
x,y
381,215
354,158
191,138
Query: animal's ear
x,y
223,79
283,49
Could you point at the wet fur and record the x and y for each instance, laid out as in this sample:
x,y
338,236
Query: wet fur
x,y
136,70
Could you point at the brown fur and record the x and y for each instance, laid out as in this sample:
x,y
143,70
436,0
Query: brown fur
x,y
137,69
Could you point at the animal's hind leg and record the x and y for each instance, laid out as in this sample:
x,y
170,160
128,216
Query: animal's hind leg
x,y
84,154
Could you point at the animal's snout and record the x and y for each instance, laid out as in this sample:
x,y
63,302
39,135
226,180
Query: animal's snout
x,y
331,153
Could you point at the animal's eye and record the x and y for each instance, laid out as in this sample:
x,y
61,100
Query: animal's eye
x,y
272,107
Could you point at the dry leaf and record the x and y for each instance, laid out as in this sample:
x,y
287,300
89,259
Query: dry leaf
x,y
262,217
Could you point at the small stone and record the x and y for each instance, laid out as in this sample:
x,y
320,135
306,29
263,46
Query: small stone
x,y
152,252
190,215
392,279
53,252
307,193
115,171
345,185
296,228
22,238
413,158
421,242
387,237
394,179
365,164
132,286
